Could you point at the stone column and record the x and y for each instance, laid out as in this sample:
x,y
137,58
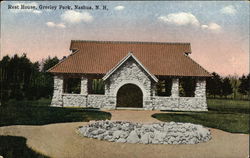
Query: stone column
x,y
200,89
84,86
58,91
154,89
175,87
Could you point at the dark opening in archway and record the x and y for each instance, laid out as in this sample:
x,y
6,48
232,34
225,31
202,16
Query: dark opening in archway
x,y
129,95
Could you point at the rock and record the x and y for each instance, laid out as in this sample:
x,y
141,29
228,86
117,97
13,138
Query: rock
x,y
157,133
117,134
121,140
159,136
107,137
133,137
145,138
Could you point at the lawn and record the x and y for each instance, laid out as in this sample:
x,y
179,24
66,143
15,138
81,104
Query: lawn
x,y
38,113
228,115
26,113
15,147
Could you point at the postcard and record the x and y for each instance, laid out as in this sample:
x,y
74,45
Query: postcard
x,y
124,79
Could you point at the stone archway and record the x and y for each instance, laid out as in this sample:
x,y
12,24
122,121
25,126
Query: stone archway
x,y
129,95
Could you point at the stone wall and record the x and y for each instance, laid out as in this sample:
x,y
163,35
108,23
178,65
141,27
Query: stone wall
x,y
101,101
175,87
129,73
179,104
84,86
58,91
74,100
200,89
197,103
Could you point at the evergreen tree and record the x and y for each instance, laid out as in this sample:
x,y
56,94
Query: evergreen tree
x,y
244,87
226,87
214,84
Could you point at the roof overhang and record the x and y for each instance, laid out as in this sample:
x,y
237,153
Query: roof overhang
x,y
130,55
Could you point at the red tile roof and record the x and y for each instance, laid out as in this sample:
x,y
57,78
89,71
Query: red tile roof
x,y
167,59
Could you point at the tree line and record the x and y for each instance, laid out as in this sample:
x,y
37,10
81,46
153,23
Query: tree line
x,y
233,87
22,79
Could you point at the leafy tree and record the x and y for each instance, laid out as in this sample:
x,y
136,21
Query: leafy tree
x,y
244,87
22,79
49,62
46,78
214,84
226,87
234,80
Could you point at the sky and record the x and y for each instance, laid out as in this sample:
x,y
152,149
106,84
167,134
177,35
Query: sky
x,y
218,31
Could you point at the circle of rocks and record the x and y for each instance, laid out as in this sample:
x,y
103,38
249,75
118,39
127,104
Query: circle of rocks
x,y
156,133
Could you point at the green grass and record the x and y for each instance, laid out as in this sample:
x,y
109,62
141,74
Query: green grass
x,y
38,113
15,147
240,106
228,115
42,114
21,103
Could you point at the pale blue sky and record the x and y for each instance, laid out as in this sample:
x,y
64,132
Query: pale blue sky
x,y
218,31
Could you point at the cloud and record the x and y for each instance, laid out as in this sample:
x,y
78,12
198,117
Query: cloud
x,y
119,7
61,25
211,26
228,10
32,4
52,24
76,17
181,18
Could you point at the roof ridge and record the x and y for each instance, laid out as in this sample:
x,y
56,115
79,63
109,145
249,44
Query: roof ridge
x,y
131,42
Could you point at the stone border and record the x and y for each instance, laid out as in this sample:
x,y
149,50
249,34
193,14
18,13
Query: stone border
x,y
156,133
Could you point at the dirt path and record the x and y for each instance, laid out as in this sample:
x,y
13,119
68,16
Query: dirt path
x,y
61,141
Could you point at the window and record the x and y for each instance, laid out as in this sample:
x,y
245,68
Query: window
x,y
96,86
187,87
72,85
164,87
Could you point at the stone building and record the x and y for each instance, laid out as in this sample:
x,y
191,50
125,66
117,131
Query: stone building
x,y
147,75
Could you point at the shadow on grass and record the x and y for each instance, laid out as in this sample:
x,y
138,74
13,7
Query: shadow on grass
x,y
15,147
41,115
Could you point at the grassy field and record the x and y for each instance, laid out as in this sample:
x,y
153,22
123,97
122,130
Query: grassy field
x,y
39,113
15,147
228,115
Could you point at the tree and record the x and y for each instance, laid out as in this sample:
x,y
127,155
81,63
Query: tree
x,y
226,87
4,89
46,78
214,84
234,80
244,87
48,63
22,79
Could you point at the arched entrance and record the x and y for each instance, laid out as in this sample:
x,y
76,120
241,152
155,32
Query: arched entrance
x,y
129,95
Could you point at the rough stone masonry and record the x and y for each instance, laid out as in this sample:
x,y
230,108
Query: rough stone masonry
x,y
156,133
130,73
